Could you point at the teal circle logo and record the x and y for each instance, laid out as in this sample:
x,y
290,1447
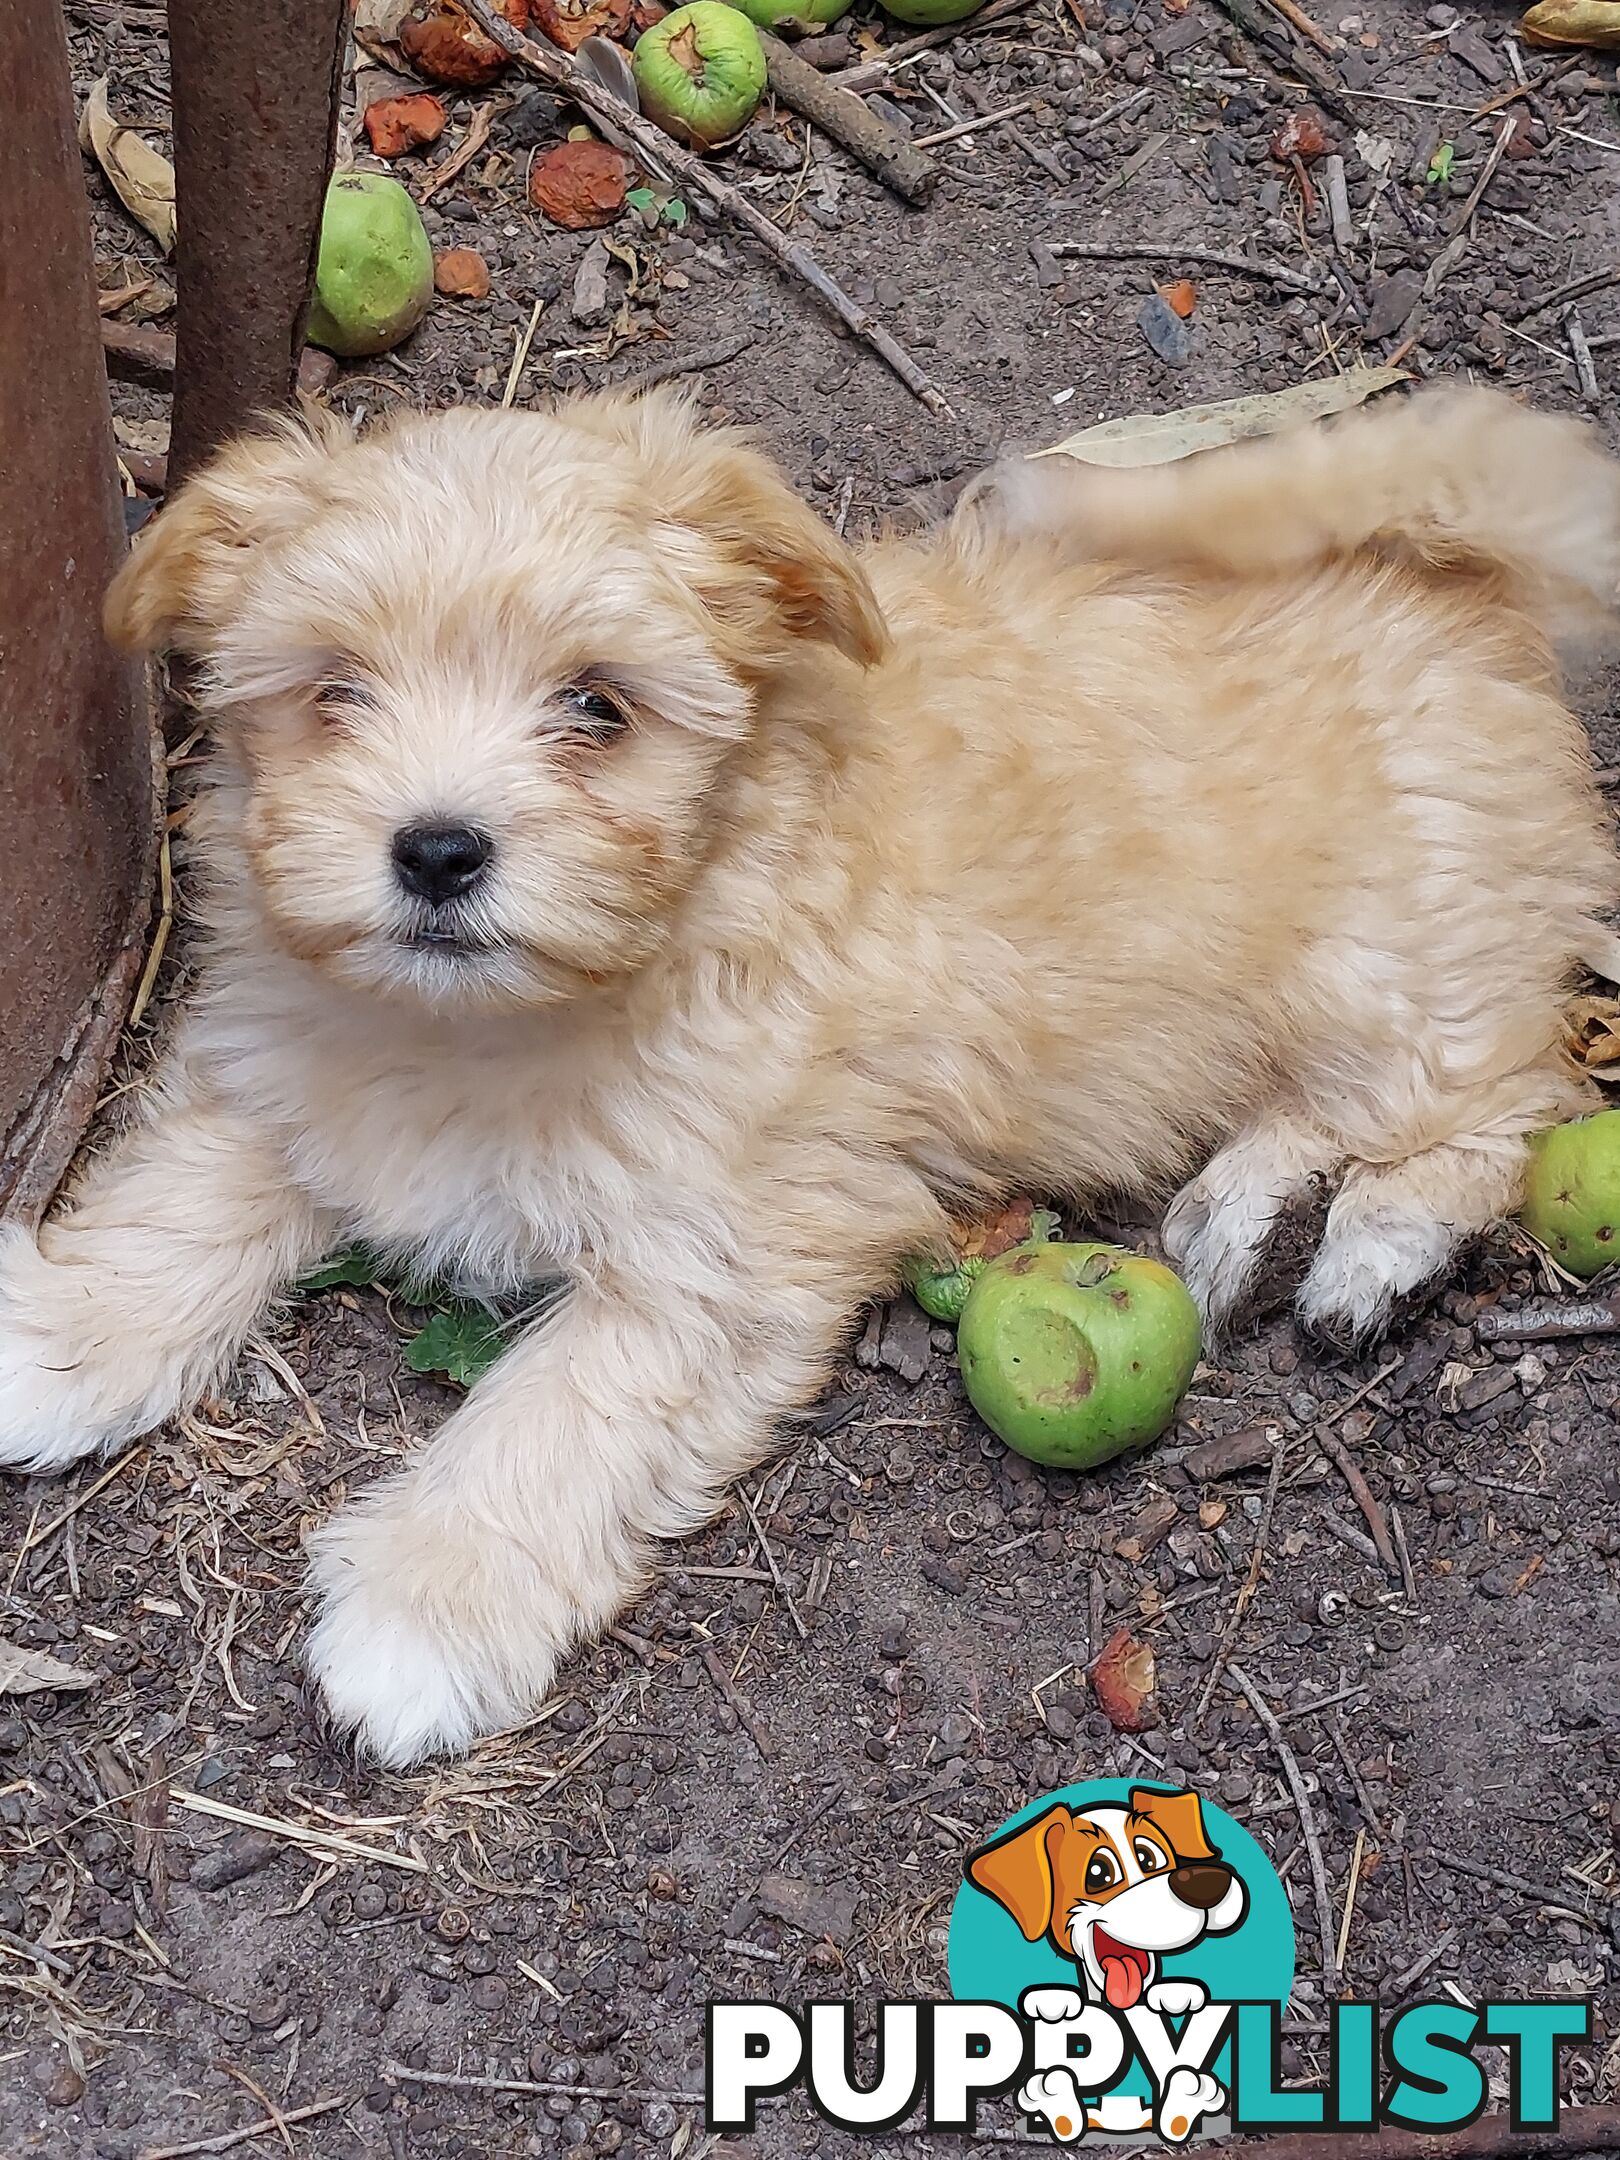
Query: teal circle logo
x,y
1121,1920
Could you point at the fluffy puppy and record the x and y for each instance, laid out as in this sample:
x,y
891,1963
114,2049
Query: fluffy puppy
x,y
613,875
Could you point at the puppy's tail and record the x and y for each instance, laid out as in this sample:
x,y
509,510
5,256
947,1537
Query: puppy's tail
x,y
1462,479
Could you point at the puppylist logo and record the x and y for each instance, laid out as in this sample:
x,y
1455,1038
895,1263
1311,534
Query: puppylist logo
x,y
1121,1956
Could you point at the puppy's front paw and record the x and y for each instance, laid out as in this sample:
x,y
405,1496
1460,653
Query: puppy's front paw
x,y
1053,2096
1176,1998
61,1396
1051,2005
1188,2096
418,1649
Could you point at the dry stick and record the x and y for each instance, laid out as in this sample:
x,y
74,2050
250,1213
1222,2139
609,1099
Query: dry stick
x,y
326,1841
887,154
972,127
1348,1468
538,2085
1307,1822
223,2140
1505,1879
873,74
1264,30
1251,1583
1456,247
1550,1320
756,1732
1572,289
1585,372
483,120
1291,13
562,72
1156,251
694,362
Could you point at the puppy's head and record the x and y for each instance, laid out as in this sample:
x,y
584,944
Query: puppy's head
x,y
489,675
1116,1888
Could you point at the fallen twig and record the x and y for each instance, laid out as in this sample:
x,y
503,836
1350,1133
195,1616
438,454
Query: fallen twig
x,y
297,1833
563,73
1295,15
1505,1879
471,143
887,154
1263,29
1213,258
1451,254
1307,1821
730,347
1348,1468
714,1665
463,2083
1571,289
223,2140
1585,372
1551,1320
1250,1584
972,126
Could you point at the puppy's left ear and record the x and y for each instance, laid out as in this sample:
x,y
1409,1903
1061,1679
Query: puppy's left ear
x,y
1180,1816
769,570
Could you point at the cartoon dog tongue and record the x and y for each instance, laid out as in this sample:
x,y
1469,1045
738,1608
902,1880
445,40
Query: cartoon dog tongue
x,y
1122,1980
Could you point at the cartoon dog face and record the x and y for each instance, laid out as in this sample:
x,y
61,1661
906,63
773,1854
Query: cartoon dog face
x,y
1116,1888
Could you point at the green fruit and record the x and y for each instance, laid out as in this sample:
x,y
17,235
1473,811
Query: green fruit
x,y
374,273
931,11
701,72
1572,1193
1074,1354
794,16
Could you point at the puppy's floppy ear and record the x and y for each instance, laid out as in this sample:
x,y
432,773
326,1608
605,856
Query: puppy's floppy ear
x,y
1180,1816
180,584
767,567
1017,1871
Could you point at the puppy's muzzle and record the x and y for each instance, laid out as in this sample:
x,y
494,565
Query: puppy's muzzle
x,y
1201,1884
440,863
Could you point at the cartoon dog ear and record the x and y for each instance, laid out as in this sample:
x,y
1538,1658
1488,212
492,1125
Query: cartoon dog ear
x,y
1180,1816
180,585
769,570
1017,1871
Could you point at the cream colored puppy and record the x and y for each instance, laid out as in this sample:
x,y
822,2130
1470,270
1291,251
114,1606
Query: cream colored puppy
x,y
613,874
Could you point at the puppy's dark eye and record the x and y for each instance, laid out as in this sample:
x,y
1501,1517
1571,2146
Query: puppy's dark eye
x,y
1101,1873
339,695
593,712
1148,1857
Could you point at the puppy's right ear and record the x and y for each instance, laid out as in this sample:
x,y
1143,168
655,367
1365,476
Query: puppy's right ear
x,y
1017,1871
180,584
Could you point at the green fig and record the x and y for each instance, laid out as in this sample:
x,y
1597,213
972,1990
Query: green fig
x,y
794,17
1572,1192
1074,1354
374,272
701,72
931,11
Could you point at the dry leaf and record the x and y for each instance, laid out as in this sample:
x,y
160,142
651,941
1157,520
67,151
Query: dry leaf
x,y
1160,438
1181,297
1592,1031
1573,22
462,273
448,47
395,125
1122,1681
31,1672
142,177
580,184
1302,135
569,23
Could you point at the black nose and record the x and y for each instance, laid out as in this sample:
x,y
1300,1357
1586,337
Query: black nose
x,y
1201,1883
439,862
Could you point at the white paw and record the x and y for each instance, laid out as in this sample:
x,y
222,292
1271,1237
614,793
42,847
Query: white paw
x,y
1365,1263
414,1648
1051,2005
58,1401
1054,2096
1176,1998
1188,2096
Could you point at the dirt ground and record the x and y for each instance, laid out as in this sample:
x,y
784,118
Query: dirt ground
x,y
765,1782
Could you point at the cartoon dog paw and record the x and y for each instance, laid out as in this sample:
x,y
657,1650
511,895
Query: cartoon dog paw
x,y
1188,2096
1054,2095
1176,1998
1051,2005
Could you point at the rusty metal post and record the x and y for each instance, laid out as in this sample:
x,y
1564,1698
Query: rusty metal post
x,y
76,766
255,94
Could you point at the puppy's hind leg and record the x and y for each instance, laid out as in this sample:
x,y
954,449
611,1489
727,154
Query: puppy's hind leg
x,y
1394,1226
1218,1225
